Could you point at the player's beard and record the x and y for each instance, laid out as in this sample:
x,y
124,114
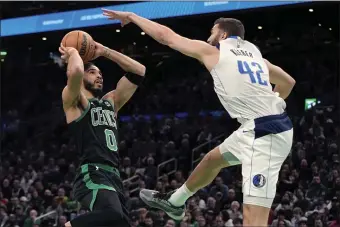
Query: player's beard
x,y
216,40
96,92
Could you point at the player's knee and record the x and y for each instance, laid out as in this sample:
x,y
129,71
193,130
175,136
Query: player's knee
x,y
215,160
255,215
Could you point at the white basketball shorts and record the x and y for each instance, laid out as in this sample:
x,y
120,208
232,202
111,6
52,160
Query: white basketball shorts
x,y
261,146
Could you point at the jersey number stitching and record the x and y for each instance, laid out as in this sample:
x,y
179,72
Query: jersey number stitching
x,y
111,141
244,68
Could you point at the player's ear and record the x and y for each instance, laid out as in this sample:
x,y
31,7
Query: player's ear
x,y
224,35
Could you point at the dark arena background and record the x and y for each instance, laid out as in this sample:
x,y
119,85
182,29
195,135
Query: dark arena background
x,y
174,118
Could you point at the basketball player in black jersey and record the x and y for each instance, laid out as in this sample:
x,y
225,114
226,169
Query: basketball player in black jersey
x,y
93,121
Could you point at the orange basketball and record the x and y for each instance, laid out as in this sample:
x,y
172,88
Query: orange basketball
x,y
81,41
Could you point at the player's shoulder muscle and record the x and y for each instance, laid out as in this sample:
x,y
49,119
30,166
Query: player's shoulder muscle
x,y
207,54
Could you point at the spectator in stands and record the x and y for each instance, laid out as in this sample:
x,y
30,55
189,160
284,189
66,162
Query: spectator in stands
x,y
237,222
31,220
303,222
281,220
148,220
219,187
234,211
170,223
297,215
17,191
6,189
316,189
61,221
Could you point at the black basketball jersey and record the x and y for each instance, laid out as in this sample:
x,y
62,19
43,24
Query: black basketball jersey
x,y
96,134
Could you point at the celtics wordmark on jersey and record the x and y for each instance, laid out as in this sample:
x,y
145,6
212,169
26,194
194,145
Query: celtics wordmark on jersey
x,y
96,133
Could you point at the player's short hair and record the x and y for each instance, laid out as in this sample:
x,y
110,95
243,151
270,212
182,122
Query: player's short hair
x,y
232,26
88,65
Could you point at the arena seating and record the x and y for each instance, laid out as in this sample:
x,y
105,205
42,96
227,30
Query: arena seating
x,y
163,136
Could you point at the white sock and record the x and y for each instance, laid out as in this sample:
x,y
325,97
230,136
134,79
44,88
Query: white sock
x,y
180,196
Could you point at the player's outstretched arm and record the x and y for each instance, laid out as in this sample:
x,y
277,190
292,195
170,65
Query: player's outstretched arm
x,y
128,84
164,35
75,73
284,83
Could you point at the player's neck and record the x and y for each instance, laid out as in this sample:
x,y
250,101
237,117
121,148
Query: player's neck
x,y
88,94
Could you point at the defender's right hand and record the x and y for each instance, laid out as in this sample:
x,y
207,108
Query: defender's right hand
x,y
66,52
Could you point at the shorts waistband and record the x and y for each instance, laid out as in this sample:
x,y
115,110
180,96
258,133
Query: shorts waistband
x,y
111,169
272,124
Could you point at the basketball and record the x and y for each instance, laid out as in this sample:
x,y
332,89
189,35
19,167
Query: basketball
x,y
81,41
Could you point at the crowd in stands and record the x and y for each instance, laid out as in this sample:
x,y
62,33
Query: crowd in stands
x,y
173,112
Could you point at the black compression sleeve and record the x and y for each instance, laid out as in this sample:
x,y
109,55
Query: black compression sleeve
x,y
135,79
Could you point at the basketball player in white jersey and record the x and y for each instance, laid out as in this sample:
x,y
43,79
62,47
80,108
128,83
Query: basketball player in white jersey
x,y
242,82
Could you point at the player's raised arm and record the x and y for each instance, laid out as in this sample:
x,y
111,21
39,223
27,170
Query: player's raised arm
x,y
284,83
128,84
164,35
75,73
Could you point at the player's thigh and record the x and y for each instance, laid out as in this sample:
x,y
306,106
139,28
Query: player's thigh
x,y
107,211
262,161
106,199
230,150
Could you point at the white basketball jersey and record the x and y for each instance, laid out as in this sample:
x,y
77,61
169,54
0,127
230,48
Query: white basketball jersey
x,y
241,81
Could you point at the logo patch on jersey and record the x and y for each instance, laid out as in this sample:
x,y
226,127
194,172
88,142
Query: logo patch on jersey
x,y
239,42
108,103
259,180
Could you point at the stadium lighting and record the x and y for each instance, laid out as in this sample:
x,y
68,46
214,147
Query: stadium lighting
x,y
44,38
319,25
117,30
142,33
311,10
134,43
330,29
259,27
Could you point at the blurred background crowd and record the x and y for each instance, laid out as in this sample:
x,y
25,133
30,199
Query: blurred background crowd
x,y
172,121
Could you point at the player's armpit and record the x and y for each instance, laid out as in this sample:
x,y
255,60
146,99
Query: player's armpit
x,y
124,91
284,83
69,98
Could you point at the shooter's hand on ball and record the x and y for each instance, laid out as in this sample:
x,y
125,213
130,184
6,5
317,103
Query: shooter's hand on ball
x,y
66,52
118,15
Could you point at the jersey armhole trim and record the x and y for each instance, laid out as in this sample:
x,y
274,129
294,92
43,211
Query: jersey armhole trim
x,y
112,104
84,112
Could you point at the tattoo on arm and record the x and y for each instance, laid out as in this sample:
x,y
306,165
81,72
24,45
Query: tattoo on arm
x,y
107,52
